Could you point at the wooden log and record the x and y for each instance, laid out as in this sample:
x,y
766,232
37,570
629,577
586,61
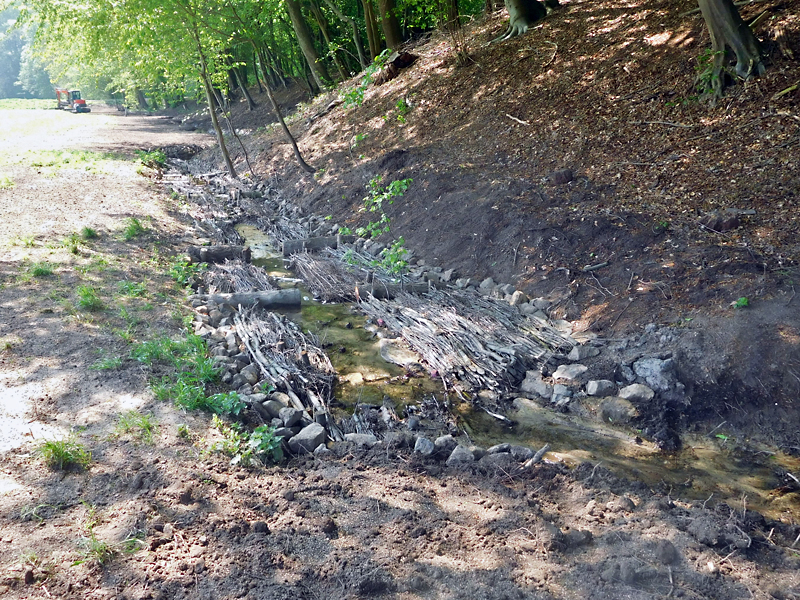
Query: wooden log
x,y
218,254
288,298
309,244
387,291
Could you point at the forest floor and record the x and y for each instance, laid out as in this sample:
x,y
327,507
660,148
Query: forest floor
x,y
608,96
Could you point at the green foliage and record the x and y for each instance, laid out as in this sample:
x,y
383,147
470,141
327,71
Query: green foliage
x,y
403,108
374,203
88,299
154,159
6,182
141,427
393,259
107,363
707,79
355,95
133,229
264,443
742,302
184,272
87,233
359,137
132,289
72,243
257,447
42,269
64,454
345,231
94,549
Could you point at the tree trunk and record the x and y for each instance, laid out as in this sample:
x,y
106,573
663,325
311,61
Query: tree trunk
x,y
323,28
356,35
450,13
728,30
255,73
318,69
390,24
141,100
373,37
251,104
303,164
215,122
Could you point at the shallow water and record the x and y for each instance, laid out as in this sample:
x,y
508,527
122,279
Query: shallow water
x,y
715,464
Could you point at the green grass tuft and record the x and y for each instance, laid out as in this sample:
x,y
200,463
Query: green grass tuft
x,y
132,289
107,363
133,229
42,269
88,299
142,427
64,454
87,233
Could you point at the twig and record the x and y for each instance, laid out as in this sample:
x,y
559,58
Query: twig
x,y
667,123
717,427
520,121
609,292
621,313
792,297
791,88
588,268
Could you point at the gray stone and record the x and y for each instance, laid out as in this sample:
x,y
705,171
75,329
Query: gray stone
x,y
285,433
541,303
413,423
460,455
281,397
533,384
290,416
570,372
582,352
309,438
361,439
273,407
627,373
424,446
237,381
521,453
250,374
600,387
477,452
448,275
507,289
463,283
637,393
487,285
445,444
617,410
561,395
518,298
659,374
499,449
666,552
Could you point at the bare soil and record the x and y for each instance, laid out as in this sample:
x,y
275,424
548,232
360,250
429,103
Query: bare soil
x,y
608,97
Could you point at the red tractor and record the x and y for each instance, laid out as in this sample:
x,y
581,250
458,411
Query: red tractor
x,y
71,100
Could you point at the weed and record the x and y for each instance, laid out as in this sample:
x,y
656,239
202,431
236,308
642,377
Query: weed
x,y
155,159
184,272
133,543
6,182
107,363
42,269
355,96
87,233
132,289
403,108
184,432
64,454
264,443
247,448
72,243
394,257
707,80
133,229
29,557
34,513
742,302
358,138
94,549
142,427
345,231
88,299
27,241
374,203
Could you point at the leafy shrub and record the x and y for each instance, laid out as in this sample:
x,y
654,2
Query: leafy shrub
x,y
355,96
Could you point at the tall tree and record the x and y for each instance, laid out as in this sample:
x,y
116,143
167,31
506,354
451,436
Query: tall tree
x,y
390,24
318,70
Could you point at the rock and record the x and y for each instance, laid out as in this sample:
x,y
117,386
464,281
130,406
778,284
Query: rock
x,y
570,372
273,408
577,537
623,504
659,374
460,455
518,298
487,285
718,222
561,176
284,399
413,423
285,432
637,393
507,289
447,276
309,438
561,395
499,449
237,381
259,527
424,446
445,444
290,416
250,374
581,352
617,410
521,453
533,384
600,387
666,553
501,463
361,439
477,452
28,576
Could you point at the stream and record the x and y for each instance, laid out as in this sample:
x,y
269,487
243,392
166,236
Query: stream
x,y
711,466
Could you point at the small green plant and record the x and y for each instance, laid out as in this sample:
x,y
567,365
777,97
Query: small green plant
x,y
742,302
393,258
133,543
154,159
107,363
94,549
132,289
345,231
265,444
184,432
133,229
64,454
184,272
88,299
6,182
355,95
358,138
42,269
707,80
87,233
374,201
141,427
72,243
403,108
259,446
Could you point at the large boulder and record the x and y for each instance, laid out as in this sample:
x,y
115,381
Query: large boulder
x,y
309,438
